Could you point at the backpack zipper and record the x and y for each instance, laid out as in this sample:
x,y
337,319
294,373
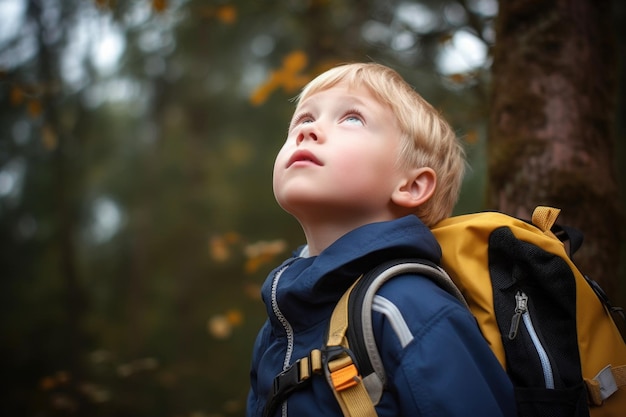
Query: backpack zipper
x,y
522,314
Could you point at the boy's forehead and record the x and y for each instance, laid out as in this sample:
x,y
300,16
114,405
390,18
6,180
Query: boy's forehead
x,y
341,90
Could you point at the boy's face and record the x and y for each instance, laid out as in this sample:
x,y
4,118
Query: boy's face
x,y
340,157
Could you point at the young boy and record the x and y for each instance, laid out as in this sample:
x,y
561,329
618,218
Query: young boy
x,y
367,166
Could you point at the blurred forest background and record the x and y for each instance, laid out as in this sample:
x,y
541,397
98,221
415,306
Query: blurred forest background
x,y
137,220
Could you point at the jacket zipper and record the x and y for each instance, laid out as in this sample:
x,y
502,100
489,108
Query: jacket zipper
x,y
281,318
288,329
522,314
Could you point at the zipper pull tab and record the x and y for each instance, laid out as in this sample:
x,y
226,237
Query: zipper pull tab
x,y
521,307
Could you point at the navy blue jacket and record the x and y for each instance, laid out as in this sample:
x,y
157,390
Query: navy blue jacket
x,y
437,362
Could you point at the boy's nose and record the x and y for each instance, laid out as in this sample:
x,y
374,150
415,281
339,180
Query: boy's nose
x,y
308,132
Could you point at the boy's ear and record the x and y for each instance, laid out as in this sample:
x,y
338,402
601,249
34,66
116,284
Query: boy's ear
x,y
416,188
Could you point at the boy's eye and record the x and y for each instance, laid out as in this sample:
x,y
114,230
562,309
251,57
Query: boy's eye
x,y
354,117
303,118
353,120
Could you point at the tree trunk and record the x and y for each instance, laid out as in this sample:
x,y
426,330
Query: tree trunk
x,y
551,138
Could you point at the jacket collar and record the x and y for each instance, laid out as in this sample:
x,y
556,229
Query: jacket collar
x,y
320,281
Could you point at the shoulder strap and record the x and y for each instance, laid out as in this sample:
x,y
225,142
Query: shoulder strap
x,y
339,365
358,313
350,342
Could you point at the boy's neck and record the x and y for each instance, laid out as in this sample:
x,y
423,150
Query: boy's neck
x,y
321,234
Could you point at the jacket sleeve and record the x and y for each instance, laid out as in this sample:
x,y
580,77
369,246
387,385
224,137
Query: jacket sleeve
x,y
255,404
437,361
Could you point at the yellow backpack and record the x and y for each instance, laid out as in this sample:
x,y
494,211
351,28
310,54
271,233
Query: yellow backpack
x,y
520,255
550,328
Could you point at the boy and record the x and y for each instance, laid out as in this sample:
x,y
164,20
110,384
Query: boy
x,y
367,166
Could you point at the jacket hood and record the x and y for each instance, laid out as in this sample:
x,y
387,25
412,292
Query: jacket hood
x,y
306,283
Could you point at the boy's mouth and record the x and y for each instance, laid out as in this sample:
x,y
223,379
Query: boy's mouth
x,y
303,156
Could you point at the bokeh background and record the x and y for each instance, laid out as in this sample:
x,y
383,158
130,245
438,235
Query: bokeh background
x,y
137,220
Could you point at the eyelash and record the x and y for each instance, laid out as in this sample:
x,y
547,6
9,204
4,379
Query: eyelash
x,y
302,117
306,116
355,112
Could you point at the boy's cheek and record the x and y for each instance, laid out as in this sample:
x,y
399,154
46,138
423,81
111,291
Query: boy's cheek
x,y
282,157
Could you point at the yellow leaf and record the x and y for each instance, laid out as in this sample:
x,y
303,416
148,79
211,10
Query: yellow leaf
x,y
159,6
288,77
34,108
458,78
219,327
218,249
103,4
234,317
295,62
471,137
16,96
226,14
49,138
231,237
265,247
253,264
260,95
47,383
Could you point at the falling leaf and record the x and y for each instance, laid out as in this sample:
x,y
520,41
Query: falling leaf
x,y
471,136
219,327
49,138
231,238
34,108
234,317
288,77
218,249
255,263
457,78
159,6
295,61
260,95
271,247
52,381
261,253
226,14
102,4
16,96
47,383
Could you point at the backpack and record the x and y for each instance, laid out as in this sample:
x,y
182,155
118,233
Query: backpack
x,y
550,327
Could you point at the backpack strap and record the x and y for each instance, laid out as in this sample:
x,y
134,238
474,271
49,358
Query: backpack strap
x,y
360,331
352,320
336,361
606,383
340,365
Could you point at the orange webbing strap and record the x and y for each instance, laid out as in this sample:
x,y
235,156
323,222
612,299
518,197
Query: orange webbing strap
x,y
341,372
603,385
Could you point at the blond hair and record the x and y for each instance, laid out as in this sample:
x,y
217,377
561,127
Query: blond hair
x,y
427,139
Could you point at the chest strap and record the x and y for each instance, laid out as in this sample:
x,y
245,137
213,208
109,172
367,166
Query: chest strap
x,y
293,378
336,361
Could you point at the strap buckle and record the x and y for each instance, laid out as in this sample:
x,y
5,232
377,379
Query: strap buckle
x,y
292,379
340,365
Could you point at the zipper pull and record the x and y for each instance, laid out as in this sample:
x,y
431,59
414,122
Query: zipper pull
x,y
521,307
